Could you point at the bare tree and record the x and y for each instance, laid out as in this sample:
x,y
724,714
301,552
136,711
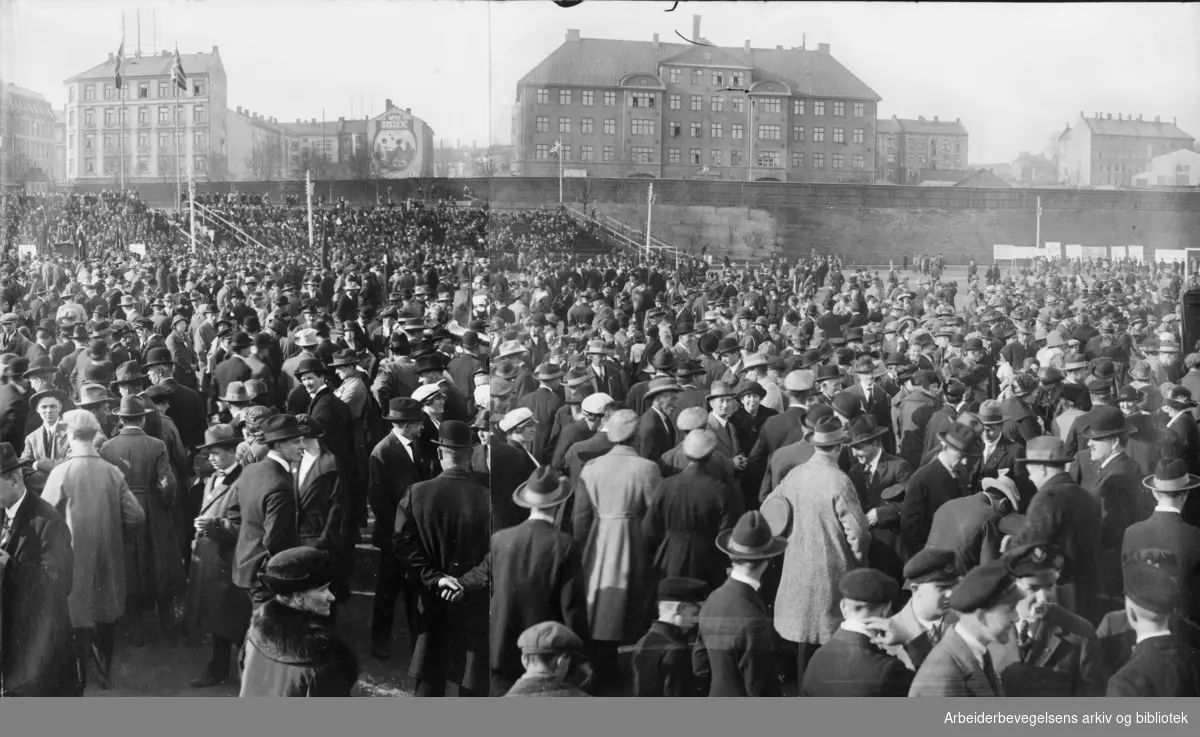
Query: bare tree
x,y
424,187
263,160
583,193
756,241
314,161
363,165
486,165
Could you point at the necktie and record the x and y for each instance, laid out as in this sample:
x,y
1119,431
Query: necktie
x,y
5,527
989,671
935,633
49,443
1024,637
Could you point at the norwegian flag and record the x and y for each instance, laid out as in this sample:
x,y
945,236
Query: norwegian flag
x,y
556,149
177,75
120,63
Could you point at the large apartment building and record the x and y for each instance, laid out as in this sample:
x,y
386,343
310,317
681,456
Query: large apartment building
x,y
681,111
26,137
1100,151
904,148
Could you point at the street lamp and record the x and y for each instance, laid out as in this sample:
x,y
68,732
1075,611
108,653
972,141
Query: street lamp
x,y
749,130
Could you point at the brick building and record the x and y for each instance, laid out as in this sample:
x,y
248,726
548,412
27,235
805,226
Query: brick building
x,y
679,111
905,148
1101,151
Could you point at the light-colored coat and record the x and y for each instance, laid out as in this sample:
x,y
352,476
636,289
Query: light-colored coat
x,y
36,451
93,497
829,536
612,499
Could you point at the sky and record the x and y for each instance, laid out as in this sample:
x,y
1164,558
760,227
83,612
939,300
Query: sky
x,y
1015,74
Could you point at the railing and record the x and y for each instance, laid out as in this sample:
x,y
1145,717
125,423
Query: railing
x,y
631,240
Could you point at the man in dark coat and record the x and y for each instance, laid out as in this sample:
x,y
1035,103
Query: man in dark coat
x,y
548,651
662,658
1118,487
36,569
579,430
934,484
234,368
850,664
970,525
442,536
577,457
543,403
186,406
1166,529
537,576
14,403
332,414
656,431
393,468
880,480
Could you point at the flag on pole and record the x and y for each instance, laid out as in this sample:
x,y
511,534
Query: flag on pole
x,y
177,75
556,148
120,63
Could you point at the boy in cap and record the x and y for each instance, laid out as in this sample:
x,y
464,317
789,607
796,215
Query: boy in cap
x,y
547,650
662,658
911,633
849,663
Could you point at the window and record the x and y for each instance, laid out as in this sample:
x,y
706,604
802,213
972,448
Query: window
x,y
642,128
108,116
564,97
737,104
89,166
198,115
164,140
839,109
610,152
717,104
715,131
769,105
818,135
198,141
588,98
957,148
697,102
797,159
610,126
543,124
818,161
89,92
643,154
542,151
735,130
566,153
587,126
641,99
858,135
921,159
737,79
891,173
694,156
696,130
797,133
672,156
818,107
89,141
125,116
769,132
143,90
716,157
200,162
675,101
109,92
178,113
735,157
837,161
585,153
71,118
143,115
71,141
797,107
162,114
71,94
610,99
697,76
564,125
718,78
946,147
110,141
675,128
839,135
891,158
858,109
770,159
163,91
143,140
143,165
674,73
198,88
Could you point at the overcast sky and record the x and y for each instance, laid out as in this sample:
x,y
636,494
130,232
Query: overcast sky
x,y
1014,74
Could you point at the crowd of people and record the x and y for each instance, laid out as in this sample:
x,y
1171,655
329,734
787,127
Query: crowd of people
x,y
584,475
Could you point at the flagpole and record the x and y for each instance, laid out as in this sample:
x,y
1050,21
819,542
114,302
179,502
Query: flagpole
x,y
121,92
175,116
560,173
192,204
1037,243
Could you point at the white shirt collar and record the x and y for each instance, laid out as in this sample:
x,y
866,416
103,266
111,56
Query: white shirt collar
x,y
858,627
1142,637
12,509
926,624
977,649
874,462
1164,508
279,459
739,576
1108,460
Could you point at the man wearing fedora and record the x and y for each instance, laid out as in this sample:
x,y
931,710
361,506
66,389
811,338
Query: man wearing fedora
x,y
735,648
154,570
47,446
441,536
935,483
14,402
537,576
334,416
1123,500
544,402
663,365
656,428
291,648
915,411
187,407
608,377
234,368
1167,528
880,480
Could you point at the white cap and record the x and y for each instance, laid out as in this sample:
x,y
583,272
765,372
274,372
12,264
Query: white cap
x,y
483,395
1007,486
595,404
425,391
515,419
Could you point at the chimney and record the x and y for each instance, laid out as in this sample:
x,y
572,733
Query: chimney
x,y
935,119
214,49
1118,116
110,56
779,47
1139,117
746,46
656,42
921,118
823,48
696,28
408,110
297,121
1110,116
239,109
387,104
573,35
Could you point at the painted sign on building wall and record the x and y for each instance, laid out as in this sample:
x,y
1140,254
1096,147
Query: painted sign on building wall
x,y
401,145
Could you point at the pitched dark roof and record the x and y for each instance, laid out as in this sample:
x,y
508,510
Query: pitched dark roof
x,y
933,128
28,101
984,179
150,66
598,62
1137,128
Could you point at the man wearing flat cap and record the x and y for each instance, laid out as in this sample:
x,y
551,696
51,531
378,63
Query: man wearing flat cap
x,y
850,663
548,651
911,633
662,659
291,648
961,664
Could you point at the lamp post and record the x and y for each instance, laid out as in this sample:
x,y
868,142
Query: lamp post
x,y
749,129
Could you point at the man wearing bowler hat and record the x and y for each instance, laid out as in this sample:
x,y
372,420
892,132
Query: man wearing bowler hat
x,y
1168,529
662,659
735,645
656,429
187,406
1117,485
935,483
537,575
543,403
880,480
441,536
234,368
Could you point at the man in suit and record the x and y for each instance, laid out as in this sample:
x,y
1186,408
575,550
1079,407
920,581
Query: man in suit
x,y
850,664
393,468
577,457
234,368
36,571
969,526
543,403
722,401
663,364
1020,421
735,647
784,428
1178,405
656,430
442,538
264,512
1122,498
935,483
662,658
911,633
607,377
334,416
880,480
537,576
961,664
46,446
1000,454
875,401
1166,529
14,402
1055,652
186,405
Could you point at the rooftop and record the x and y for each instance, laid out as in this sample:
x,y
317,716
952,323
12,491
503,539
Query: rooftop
x,y
152,65
23,100
597,62
1135,128
887,125
934,127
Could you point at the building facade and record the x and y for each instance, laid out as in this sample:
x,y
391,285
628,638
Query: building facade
x,y
26,137
907,149
312,145
1100,151
1180,168
680,111
156,129
257,147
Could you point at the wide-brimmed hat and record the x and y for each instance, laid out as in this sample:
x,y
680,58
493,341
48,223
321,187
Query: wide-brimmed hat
x,y
991,412
221,436
660,386
826,432
1108,422
1171,477
864,429
544,488
403,409
42,365
510,348
158,357
962,438
10,459
548,372
45,393
346,357
296,570
718,390
1179,397
93,394
456,435
309,366
236,393
131,406
281,427
751,539
306,338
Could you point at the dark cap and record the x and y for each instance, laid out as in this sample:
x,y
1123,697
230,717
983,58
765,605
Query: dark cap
x,y
549,638
983,587
1152,580
868,586
691,590
931,565
1033,560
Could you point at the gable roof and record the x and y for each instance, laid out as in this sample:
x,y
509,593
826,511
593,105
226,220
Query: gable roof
x,y
887,125
932,127
596,62
1136,128
28,101
984,179
706,55
150,66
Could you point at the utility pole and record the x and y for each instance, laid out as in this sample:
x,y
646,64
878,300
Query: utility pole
x,y
649,213
308,188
